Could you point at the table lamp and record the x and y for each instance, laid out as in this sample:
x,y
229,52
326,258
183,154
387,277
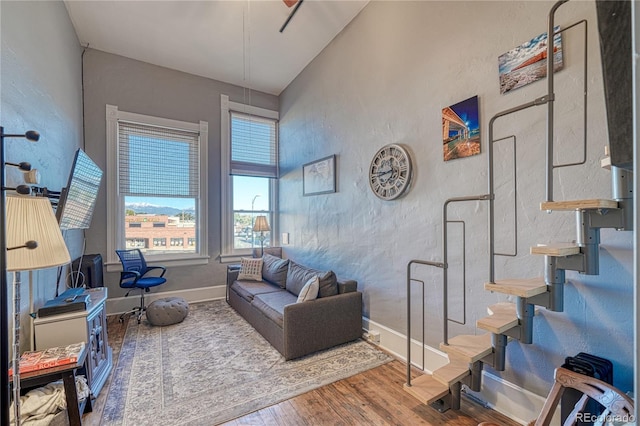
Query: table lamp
x,y
34,241
261,225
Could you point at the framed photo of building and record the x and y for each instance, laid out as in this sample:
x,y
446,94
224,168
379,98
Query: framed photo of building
x,y
461,130
319,177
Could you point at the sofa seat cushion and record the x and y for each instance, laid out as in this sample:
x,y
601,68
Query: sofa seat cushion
x,y
247,289
299,275
272,305
275,270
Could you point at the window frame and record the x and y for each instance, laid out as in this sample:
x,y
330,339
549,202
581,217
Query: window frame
x,y
227,251
115,201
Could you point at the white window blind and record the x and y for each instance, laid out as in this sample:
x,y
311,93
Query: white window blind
x,y
157,161
254,146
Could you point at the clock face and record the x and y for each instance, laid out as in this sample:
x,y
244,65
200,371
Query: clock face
x,y
390,172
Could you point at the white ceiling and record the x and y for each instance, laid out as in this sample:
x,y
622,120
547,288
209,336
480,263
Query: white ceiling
x,y
235,41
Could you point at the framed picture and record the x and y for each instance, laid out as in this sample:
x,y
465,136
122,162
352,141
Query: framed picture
x,y
319,177
528,62
461,129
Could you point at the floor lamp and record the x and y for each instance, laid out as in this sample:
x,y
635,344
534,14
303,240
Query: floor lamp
x,y
261,225
34,241
32,136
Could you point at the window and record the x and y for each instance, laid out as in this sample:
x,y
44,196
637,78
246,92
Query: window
x,y
158,185
249,175
139,243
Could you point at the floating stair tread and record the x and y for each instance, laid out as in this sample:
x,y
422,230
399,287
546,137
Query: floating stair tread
x,y
502,318
556,249
456,370
579,205
469,348
528,287
426,389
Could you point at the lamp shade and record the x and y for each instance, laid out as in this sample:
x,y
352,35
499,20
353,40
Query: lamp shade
x,y
261,224
32,219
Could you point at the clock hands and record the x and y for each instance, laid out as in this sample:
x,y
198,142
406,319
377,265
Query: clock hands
x,y
384,173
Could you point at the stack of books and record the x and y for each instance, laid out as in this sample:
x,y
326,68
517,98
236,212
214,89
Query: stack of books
x,y
47,358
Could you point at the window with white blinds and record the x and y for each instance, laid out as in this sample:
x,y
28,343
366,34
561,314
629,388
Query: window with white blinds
x,y
157,161
157,188
254,146
249,175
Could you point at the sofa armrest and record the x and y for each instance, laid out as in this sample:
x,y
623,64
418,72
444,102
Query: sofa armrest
x,y
322,323
347,286
232,274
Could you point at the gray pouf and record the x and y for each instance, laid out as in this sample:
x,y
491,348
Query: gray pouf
x,y
167,311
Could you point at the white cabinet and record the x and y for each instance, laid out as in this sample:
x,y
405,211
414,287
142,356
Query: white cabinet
x,y
89,326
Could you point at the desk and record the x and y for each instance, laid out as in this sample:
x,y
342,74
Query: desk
x,y
68,375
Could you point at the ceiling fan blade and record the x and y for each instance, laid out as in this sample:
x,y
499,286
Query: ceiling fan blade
x,y
293,12
290,3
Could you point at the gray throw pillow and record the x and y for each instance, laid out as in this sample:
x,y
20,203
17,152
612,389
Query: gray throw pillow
x,y
298,276
275,269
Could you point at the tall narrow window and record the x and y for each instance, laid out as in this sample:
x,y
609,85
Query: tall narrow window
x,y
158,184
249,174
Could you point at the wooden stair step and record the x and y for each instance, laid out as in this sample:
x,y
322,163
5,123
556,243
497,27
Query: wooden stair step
x,y
528,287
556,249
456,370
470,348
579,205
502,318
426,389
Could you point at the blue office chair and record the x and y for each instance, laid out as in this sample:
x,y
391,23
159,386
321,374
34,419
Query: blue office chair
x,y
133,277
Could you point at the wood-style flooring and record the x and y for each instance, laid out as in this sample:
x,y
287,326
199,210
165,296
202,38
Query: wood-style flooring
x,y
374,397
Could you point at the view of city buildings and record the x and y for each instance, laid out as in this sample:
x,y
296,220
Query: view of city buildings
x,y
156,233
160,233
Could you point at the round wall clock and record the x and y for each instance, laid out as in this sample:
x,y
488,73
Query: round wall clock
x,y
390,172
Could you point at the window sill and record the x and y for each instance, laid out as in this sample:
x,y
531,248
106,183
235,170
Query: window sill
x,y
185,261
233,258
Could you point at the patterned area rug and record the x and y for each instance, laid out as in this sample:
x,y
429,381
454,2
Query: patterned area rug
x,y
214,367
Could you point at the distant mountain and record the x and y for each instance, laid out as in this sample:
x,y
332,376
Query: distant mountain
x,y
155,209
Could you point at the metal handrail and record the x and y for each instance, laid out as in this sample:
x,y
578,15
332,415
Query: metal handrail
x,y
409,279
551,97
515,196
464,273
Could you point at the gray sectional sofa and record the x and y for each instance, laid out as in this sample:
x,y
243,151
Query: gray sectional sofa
x,y
296,328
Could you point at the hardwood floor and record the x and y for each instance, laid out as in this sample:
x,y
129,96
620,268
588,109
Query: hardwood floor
x,y
374,397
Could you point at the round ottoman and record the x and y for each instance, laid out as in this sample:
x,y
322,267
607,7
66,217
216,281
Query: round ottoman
x,y
167,311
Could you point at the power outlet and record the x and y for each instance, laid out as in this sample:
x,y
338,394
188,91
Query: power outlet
x,y
373,336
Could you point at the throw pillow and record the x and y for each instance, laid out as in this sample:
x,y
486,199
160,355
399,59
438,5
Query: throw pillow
x,y
250,269
298,275
275,269
310,290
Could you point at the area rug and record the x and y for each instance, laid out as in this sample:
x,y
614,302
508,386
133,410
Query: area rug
x,y
214,367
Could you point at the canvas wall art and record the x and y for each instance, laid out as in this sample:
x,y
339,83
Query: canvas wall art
x,y
528,62
461,129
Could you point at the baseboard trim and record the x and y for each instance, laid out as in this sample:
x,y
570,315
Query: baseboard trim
x,y
119,305
502,396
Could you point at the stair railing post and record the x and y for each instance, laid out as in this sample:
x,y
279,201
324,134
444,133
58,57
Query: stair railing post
x,y
550,98
409,279
409,324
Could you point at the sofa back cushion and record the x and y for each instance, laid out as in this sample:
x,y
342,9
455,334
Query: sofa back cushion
x,y
299,275
275,270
